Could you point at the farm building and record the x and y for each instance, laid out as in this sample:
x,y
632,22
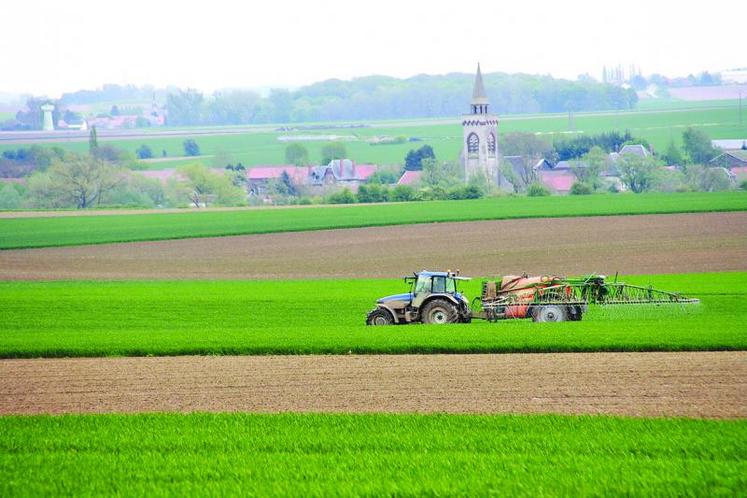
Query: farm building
x,y
410,178
259,177
731,159
340,172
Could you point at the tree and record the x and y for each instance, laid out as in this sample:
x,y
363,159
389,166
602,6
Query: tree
x,y
402,193
202,187
82,180
333,150
414,158
284,186
384,177
297,154
185,108
705,179
440,174
144,152
10,198
697,146
673,156
587,170
638,173
191,148
525,145
93,140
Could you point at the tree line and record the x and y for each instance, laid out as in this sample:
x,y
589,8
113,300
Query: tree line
x,y
382,97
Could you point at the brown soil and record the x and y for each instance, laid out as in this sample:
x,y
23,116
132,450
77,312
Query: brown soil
x,y
629,244
707,384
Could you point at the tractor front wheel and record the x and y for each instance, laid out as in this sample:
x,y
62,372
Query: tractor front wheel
x,y
549,313
379,317
439,311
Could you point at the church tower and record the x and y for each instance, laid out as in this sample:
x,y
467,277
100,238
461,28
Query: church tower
x,y
480,153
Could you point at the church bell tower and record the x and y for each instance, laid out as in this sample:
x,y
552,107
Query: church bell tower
x,y
480,153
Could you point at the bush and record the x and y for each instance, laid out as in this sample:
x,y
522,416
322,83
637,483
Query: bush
x,y
743,185
304,201
344,196
402,193
432,194
465,192
537,190
373,193
10,198
580,188
144,152
191,148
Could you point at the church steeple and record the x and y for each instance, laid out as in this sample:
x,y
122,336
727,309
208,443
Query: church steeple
x,y
479,97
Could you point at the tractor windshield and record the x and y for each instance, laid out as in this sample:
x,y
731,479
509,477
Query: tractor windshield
x,y
444,285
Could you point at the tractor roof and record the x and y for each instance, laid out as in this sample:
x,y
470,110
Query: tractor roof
x,y
441,274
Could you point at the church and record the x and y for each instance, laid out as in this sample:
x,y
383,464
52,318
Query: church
x,y
480,152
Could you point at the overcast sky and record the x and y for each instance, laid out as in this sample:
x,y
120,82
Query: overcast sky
x,y
48,47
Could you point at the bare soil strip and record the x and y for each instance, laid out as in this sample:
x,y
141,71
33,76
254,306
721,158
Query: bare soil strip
x,y
707,384
673,243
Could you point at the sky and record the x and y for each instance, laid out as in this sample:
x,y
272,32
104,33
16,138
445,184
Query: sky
x,y
50,47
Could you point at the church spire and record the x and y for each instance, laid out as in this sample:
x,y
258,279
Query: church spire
x,y
479,97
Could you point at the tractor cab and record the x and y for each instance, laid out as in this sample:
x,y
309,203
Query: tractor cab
x,y
427,283
433,298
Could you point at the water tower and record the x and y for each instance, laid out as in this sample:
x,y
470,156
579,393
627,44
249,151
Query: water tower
x,y
47,124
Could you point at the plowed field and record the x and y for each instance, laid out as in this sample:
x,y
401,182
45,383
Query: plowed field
x,y
637,384
675,243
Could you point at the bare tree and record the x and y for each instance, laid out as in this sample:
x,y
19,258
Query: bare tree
x,y
84,179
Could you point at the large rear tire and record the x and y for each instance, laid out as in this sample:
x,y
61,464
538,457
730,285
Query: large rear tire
x,y
379,316
439,311
550,313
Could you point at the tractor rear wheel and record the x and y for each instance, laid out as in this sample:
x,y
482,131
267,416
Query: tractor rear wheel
x,y
379,317
439,311
550,313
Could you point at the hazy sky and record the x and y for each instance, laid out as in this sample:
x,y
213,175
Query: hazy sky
x,y
47,47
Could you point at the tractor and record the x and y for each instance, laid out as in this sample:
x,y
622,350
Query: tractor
x,y
435,299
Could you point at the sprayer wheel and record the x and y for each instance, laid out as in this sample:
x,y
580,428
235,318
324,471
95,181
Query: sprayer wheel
x,y
550,313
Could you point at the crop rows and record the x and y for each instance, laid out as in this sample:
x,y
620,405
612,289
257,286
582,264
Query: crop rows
x,y
58,319
81,230
319,455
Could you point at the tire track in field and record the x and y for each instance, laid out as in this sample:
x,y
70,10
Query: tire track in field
x,y
703,384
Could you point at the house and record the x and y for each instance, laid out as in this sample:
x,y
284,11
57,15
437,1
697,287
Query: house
x,y
259,177
731,159
343,172
559,181
166,174
636,149
410,178
557,178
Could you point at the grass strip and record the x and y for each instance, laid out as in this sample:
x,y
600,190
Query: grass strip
x,y
82,230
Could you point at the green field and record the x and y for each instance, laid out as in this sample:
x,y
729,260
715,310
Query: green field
x,y
657,125
60,319
370,455
80,230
